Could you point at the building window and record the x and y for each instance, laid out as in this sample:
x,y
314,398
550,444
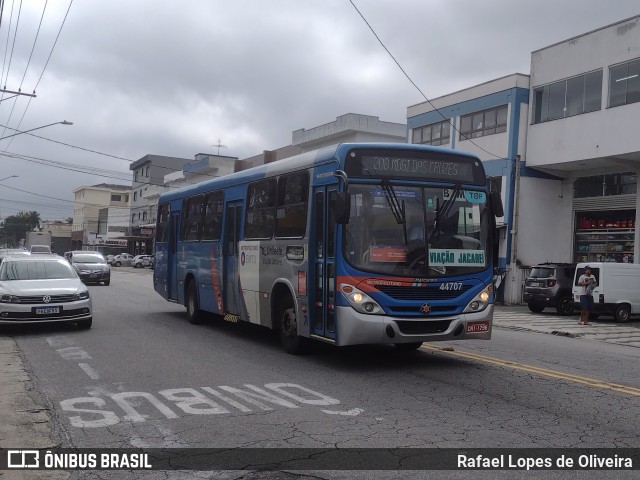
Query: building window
x,y
135,196
434,134
144,215
135,176
624,83
146,174
133,217
116,198
606,185
483,123
573,96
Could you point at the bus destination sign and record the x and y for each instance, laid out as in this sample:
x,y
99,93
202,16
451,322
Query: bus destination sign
x,y
434,167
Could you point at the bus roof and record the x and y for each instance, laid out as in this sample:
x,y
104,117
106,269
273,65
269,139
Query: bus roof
x,y
304,160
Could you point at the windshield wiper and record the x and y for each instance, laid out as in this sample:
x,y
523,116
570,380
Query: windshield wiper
x,y
397,208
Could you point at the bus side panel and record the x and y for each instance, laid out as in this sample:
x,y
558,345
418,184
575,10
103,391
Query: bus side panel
x,y
210,277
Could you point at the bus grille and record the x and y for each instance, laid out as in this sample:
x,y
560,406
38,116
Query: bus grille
x,y
423,327
421,293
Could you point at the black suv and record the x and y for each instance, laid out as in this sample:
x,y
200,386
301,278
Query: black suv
x,y
549,285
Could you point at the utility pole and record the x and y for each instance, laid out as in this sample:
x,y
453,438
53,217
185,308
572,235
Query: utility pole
x,y
15,94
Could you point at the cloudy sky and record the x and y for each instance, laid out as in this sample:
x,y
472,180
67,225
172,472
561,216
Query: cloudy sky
x,y
175,78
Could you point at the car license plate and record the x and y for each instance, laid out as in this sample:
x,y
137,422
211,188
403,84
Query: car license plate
x,y
47,310
475,327
535,284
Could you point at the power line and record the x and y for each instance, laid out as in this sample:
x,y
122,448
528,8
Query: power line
x,y
43,69
416,86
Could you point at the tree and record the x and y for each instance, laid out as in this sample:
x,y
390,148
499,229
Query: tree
x,y
17,226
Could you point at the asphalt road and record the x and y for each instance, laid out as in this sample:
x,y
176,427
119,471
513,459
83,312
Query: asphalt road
x,y
144,377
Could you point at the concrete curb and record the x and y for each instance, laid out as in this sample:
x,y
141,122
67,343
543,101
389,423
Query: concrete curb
x,y
24,422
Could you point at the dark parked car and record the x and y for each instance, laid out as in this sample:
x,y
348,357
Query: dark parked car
x,y
549,285
91,267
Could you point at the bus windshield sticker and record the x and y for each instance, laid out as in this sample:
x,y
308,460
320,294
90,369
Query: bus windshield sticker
x,y
470,196
452,257
388,254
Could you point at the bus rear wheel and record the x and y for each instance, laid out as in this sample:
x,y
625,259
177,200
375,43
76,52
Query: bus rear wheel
x,y
289,338
193,312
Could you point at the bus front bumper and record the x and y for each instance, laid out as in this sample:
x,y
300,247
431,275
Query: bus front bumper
x,y
354,328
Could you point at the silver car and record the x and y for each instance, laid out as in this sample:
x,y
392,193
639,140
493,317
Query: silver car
x,y
40,289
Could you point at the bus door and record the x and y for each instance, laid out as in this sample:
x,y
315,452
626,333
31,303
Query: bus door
x,y
322,262
230,279
172,257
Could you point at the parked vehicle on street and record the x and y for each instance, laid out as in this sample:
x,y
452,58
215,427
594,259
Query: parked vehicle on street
x,y
37,238
90,266
549,285
140,261
617,290
42,288
109,259
122,260
40,249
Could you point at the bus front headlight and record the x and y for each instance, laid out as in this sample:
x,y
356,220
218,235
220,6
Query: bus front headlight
x,y
360,301
480,301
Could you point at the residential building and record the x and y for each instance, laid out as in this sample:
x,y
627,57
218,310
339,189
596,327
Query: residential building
x,y
60,235
351,127
89,200
147,171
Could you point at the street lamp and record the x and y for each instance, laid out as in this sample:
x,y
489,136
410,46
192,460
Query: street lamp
x,y
11,176
19,132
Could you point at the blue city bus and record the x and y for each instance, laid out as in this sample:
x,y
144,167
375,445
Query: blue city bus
x,y
362,243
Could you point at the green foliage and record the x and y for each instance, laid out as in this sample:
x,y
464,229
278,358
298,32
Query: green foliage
x,y
15,227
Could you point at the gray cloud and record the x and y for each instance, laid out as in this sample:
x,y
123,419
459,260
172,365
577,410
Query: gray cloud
x,y
174,78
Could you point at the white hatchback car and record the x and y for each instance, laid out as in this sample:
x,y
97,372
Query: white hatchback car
x,y
41,289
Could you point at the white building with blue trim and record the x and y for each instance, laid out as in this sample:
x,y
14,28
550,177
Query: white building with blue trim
x,y
564,141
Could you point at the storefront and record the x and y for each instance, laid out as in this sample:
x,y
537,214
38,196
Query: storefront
x,y
605,218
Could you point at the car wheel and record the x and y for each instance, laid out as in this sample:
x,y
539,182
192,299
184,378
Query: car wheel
x,y
193,312
565,305
408,347
535,307
107,282
118,264
85,324
289,338
622,313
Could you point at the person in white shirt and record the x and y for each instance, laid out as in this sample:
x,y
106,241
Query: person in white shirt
x,y
588,283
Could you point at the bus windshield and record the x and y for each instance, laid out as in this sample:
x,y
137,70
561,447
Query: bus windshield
x,y
436,231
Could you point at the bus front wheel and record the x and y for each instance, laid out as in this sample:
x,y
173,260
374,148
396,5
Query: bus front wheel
x,y
291,341
193,312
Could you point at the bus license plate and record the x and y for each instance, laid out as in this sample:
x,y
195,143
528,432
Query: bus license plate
x,y
47,310
476,327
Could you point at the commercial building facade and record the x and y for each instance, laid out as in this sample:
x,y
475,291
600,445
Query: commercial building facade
x,y
564,142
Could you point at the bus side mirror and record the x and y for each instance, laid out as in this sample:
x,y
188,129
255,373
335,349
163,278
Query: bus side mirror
x,y
341,208
496,204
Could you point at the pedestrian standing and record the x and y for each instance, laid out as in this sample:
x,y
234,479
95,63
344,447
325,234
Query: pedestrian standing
x,y
588,283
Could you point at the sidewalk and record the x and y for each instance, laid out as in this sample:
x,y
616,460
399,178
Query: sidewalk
x,y
518,317
24,423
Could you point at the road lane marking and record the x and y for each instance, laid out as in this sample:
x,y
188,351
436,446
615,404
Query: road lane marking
x,y
93,375
592,382
136,407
